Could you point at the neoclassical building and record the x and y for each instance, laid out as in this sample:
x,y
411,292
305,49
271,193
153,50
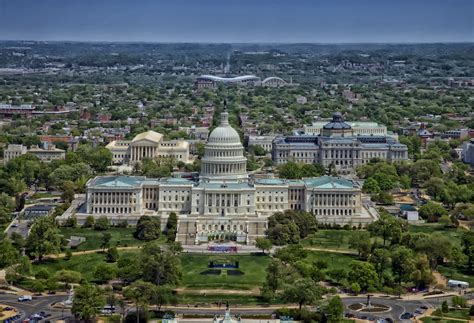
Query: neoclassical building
x,y
340,145
148,144
225,200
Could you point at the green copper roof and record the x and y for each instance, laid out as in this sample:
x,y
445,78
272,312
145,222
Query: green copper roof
x,y
117,181
329,182
270,181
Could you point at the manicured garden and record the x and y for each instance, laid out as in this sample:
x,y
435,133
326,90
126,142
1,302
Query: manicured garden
x,y
253,269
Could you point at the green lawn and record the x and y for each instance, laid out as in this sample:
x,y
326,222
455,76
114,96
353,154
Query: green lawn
x,y
253,267
331,239
334,260
84,264
121,237
462,314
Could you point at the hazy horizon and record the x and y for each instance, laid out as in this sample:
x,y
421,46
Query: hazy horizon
x,y
244,21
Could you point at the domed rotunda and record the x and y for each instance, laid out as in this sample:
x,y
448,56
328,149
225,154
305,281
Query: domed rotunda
x,y
224,158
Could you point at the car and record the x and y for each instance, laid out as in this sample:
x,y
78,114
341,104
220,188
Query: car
x,y
424,307
388,320
349,315
406,316
25,298
14,225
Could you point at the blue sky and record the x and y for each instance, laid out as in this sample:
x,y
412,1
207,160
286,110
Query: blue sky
x,y
330,21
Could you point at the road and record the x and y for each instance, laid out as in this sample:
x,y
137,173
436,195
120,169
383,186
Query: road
x,y
40,303
19,226
398,306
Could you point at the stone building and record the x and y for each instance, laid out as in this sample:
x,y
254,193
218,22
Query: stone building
x,y
46,155
224,201
13,151
337,145
148,144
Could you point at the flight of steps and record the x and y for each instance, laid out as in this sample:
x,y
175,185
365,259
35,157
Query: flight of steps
x,y
186,232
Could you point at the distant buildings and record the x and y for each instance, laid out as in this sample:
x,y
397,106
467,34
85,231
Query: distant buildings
x,y
212,81
8,110
266,142
359,128
46,155
338,144
148,144
13,151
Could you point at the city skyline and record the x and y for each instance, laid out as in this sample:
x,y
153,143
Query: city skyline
x,y
212,21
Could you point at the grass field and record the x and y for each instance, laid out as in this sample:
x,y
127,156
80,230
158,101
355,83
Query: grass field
x,y
334,260
253,267
121,237
330,239
451,316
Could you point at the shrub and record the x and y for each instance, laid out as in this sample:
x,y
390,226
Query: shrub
x,y
89,222
102,224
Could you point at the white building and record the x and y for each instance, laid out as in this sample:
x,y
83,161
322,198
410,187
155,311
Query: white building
x,y
148,144
266,142
13,151
225,201
45,155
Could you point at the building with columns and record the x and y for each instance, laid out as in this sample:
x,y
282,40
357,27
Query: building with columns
x,y
149,144
225,201
339,145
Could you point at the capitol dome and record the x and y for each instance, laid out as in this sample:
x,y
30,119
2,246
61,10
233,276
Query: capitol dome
x,y
224,158
224,133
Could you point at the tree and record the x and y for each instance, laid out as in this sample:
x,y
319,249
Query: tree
x,y
402,263
8,253
44,238
355,288
148,228
105,240
112,255
159,266
459,301
101,224
444,307
380,259
88,301
291,253
174,247
89,222
303,291
432,211
371,186
141,293
68,277
104,272
364,274
263,244
386,226
335,309
171,226
361,242
68,191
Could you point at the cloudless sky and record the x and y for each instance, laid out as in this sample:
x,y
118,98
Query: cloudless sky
x,y
328,21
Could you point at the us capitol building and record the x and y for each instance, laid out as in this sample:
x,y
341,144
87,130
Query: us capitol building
x,y
225,201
